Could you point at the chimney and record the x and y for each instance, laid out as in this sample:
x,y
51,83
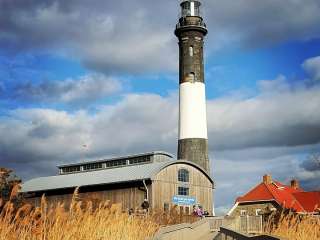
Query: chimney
x,y
295,183
267,179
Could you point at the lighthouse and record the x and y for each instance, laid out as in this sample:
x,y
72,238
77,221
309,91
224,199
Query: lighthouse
x,y
193,134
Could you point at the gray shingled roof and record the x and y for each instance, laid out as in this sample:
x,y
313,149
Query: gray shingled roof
x,y
107,176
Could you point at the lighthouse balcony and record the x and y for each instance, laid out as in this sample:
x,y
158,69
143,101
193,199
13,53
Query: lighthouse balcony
x,y
191,23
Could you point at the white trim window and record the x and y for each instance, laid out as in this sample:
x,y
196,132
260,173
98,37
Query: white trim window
x,y
258,212
243,212
183,175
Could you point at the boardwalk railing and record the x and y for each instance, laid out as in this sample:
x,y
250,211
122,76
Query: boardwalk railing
x,y
226,233
244,224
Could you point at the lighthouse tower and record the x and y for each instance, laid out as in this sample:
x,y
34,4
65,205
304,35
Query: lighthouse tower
x,y
193,136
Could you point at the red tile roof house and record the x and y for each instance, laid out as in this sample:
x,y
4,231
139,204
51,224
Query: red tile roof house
x,y
272,195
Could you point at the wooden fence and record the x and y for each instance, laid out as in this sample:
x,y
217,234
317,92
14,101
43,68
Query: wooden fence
x,y
226,233
244,224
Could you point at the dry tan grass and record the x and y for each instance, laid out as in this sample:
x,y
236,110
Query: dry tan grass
x,y
78,222
294,227
82,219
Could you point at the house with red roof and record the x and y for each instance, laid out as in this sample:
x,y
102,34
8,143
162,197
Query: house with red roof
x,y
271,195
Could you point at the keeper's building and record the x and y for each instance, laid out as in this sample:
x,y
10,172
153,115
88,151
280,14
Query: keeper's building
x,y
128,180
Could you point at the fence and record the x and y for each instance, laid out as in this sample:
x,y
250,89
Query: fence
x,y
245,224
226,233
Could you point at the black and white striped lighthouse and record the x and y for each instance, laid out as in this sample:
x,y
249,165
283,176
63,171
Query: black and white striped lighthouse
x,y
193,136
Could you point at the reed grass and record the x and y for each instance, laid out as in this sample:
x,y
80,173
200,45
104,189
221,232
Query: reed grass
x,y
78,222
294,227
81,220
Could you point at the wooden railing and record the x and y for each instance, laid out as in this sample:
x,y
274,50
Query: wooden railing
x,y
226,233
245,224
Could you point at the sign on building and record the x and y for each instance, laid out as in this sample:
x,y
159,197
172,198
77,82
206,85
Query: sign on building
x,y
184,200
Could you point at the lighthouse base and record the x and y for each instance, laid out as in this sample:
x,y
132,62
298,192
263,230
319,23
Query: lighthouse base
x,y
194,150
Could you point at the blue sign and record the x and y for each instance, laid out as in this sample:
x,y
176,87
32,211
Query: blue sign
x,y
184,200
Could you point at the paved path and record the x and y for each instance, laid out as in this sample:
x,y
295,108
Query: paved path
x,y
209,236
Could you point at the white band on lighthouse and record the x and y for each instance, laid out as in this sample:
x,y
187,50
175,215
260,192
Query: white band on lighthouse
x,y
192,113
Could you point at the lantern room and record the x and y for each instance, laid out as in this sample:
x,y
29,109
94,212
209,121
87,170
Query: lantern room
x,y
190,8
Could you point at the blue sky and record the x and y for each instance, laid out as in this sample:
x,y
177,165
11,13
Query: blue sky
x,y
105,74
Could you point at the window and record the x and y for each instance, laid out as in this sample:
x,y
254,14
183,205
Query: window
x,y
243,212
183,191
137,160
191,51
166,207
183,175
71,169
92,166
192,77
258,212
116,163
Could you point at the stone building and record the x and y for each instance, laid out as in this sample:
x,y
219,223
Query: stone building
x,y
271,195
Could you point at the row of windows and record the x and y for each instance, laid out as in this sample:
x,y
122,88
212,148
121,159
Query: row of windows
x,y
116,163
143,159
92,166
71,169
244,212
108,164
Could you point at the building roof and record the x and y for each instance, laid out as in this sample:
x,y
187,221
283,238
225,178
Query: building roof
x,y
102,177
274,191
289,197
310,201
118,158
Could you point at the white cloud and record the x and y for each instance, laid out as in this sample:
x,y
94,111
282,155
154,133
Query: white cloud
x,y
272,132
312,67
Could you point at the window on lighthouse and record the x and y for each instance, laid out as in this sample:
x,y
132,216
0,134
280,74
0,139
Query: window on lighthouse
x,y
192,77
191,51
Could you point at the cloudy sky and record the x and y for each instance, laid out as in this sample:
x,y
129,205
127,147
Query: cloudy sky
x,y
105,74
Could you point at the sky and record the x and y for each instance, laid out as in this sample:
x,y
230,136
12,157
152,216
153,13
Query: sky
x,y
104,74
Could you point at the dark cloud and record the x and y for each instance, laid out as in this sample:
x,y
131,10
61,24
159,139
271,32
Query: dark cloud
x,y
310,171
312,163
285,117
107,36
82,90
137,36
257,23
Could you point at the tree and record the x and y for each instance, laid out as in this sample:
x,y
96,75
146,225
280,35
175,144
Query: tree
x,y
8,182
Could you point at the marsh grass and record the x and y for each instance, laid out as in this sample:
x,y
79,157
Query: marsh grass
x,y
294,227
80,220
